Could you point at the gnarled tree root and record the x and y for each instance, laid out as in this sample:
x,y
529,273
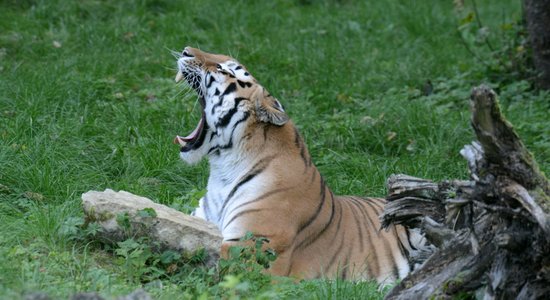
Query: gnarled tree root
x,y
492,232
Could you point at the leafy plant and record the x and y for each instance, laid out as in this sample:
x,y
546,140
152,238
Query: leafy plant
x,y
123,220
503,50
138,260
147,213
250,255
71,227
188,201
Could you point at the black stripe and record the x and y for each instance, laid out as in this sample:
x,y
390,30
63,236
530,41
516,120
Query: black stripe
x,y
230,89
211,80
377,210
205,207
310,240
358,222
266,128
337,231
238,68
336,253
297,138
263,196
345,267
313,175
300,145
370,274
409,238
224,121
244,84
395,269
322,201
378,202
365,212
246,115
241,213
404,249
369,237
249,176
258,168
381,238
214,149
303,155
216,105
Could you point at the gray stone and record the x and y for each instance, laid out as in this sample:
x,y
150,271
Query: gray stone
x,y
170,228
87,296
36,296
138,294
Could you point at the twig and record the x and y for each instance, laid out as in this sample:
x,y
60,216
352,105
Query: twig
x,y
473,53
478,19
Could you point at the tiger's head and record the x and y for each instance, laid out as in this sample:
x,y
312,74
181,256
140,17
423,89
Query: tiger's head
x,y
231,99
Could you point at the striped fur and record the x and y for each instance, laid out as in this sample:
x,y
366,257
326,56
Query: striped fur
x,y
262,180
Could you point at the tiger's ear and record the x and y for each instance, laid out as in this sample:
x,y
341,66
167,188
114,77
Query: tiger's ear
x,y
269,109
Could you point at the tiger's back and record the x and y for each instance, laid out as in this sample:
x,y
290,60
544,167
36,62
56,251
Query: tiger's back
x,y
262,180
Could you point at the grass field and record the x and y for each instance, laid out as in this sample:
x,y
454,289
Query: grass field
x,y
87,101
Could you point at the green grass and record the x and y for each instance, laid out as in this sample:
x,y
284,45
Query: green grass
x,y
87,101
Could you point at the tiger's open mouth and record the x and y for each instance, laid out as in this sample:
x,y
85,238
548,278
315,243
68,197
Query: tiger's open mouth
x,y
195,139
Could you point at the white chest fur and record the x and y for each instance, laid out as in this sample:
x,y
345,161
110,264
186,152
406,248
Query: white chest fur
x,y
231,185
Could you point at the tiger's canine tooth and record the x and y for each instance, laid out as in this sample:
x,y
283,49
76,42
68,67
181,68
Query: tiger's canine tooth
x,y
178,140
179,76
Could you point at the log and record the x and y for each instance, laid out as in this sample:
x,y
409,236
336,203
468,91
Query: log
x,y
491,233
166,228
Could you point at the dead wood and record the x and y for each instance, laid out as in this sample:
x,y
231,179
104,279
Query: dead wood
x,y
492,232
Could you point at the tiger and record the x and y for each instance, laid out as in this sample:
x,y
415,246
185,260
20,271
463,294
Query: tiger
x,y
262,181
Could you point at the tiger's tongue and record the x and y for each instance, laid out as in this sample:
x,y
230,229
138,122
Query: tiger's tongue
x,y
192,136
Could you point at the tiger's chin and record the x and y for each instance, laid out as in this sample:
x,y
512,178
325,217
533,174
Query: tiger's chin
x,y
192,157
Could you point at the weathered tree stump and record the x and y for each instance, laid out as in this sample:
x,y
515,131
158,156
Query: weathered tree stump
x,y
492,232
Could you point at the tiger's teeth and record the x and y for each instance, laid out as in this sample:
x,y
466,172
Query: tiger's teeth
x,y
179,76
179,141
